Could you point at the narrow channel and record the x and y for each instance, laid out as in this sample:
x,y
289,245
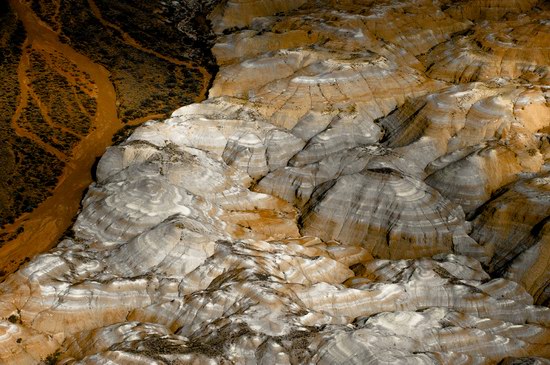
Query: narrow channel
x,y
41,228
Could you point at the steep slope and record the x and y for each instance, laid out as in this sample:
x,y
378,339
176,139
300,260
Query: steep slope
x,y
341,197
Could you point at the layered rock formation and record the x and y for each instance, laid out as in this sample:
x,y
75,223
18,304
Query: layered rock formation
x,y
355,190
78,76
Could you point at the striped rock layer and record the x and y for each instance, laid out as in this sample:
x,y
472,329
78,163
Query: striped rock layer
x,y
368,182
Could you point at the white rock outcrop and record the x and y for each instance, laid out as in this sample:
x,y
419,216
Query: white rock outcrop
x,y
367,183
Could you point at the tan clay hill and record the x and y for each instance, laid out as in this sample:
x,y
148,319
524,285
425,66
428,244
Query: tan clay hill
x,y
367,183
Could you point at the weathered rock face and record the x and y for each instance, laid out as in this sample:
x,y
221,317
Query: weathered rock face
x,y
343,196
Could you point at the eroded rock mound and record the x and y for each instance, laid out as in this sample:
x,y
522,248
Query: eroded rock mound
x,y
343,196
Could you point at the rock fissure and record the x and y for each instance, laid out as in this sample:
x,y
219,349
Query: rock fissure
x,y
362,196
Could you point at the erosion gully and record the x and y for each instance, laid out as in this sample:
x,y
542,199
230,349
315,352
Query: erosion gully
x,y
44,226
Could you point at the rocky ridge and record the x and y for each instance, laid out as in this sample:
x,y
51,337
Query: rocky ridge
x,y
368,182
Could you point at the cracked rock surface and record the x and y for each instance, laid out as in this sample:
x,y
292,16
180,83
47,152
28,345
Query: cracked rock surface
x,y
368,182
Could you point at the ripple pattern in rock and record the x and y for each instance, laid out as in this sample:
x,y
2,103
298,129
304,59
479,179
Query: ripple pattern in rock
x,y
367,183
